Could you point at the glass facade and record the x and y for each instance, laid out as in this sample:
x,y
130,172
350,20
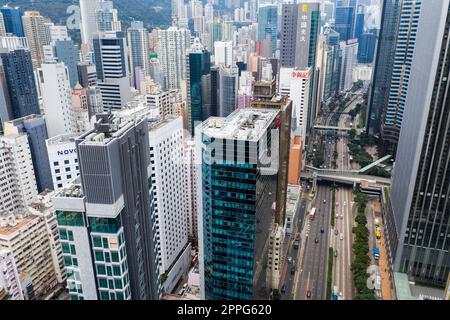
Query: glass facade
x,y
267,24
199,67
345,17
68,218
237,217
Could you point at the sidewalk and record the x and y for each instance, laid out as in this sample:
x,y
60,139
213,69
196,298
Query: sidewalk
x,y
386,285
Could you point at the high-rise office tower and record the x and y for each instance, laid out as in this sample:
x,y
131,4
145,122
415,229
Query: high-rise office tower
x,y
138,39
385,55
359,22
172,46
198,64
107,18
190,187
299,41
89,27
215,86
111,61
237,193
12,17
36,130
366,47
19,78
167,180
345,20
268,24
299,33
349,51
64,50
116,252
395,109
33,26
57,99
228,89
418,227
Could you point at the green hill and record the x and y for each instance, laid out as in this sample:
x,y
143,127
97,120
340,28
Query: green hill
x,y
154,13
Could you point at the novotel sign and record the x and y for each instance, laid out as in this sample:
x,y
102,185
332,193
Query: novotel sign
x,y
66,152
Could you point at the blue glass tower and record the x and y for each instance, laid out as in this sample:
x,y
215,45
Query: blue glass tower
x,y
238,190
67,52
267,24
199,101
19,76
345,18
13,21
366,49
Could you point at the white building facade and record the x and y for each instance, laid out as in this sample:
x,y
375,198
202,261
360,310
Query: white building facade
x,y
63,158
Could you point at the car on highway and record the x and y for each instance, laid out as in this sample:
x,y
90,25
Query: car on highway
x,y
317,240
290,259
337,204
324,201
308,294
342,236
292,270
335,253
345,203
342,217
322,230
336,232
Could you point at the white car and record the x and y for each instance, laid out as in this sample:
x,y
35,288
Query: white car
x,y
342,216
324,201
342,236
345,203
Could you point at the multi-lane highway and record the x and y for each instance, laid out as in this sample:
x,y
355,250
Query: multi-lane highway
x,y
313,270
342,235
310,280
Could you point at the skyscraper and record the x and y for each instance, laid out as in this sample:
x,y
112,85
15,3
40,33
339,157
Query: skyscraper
x,y
418,227
36,130
268,24
385,54
12,18
2,26
228,89
57,98
198,84
89,25
236,197
345,20
395,109
172,46
107,18
111,61
299,33
138,38
120,240
33,26
19,76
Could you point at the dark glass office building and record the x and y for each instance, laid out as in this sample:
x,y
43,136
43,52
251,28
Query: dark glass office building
x,y
238,192
19,76
13,21
198,84
420,194
366,48
385,55
344,24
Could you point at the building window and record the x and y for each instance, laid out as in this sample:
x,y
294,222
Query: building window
x,y
69,218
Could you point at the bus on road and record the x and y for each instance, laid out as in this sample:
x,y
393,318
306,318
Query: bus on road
x,y
376,253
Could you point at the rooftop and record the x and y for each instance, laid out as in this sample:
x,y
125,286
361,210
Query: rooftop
x,y
242,125
72,190
293,196
63,138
